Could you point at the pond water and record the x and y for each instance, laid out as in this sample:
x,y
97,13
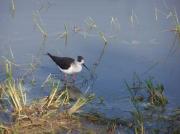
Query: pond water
x,y
139,40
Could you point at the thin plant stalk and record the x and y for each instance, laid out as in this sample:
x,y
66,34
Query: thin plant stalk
x,y
52,95
103,37
39,25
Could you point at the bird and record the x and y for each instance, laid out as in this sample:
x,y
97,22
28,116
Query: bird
x,y
69,65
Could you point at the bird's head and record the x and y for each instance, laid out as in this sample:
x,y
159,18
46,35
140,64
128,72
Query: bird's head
x,y
80,60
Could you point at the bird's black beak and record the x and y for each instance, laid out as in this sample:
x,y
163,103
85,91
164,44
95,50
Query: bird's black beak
x,y
86,67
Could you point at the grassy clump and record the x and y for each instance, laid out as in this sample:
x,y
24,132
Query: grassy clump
x,y
4,129
14,90
138,121
79,103
16,95
42,115
55,101
137,114
156,94
148,100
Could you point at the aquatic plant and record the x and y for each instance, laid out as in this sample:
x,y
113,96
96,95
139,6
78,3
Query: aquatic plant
x,y
138,119
115,24
177,29
38,24
64,34
156,94
55,99
137,115
13,5
13,8
148,100
91,24
174,119
1,90
14,89
103,37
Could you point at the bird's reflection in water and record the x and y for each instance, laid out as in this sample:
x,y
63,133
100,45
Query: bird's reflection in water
x,y
73,91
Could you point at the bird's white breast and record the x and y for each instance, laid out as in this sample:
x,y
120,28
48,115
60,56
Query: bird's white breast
x,y
73,69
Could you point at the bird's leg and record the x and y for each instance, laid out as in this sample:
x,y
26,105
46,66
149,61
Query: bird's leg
x,y
74,77
65,77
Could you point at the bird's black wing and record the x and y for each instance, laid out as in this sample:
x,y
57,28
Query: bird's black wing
x,y
65,62
62,62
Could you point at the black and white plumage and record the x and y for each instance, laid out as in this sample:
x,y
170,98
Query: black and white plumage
x,y
69,65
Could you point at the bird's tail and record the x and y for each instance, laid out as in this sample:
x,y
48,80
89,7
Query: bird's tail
x,y
54,58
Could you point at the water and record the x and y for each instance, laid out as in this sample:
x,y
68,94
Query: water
x,y
139,41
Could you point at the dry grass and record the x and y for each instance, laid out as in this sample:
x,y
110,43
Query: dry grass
x,y
79,103
42,115
14,90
